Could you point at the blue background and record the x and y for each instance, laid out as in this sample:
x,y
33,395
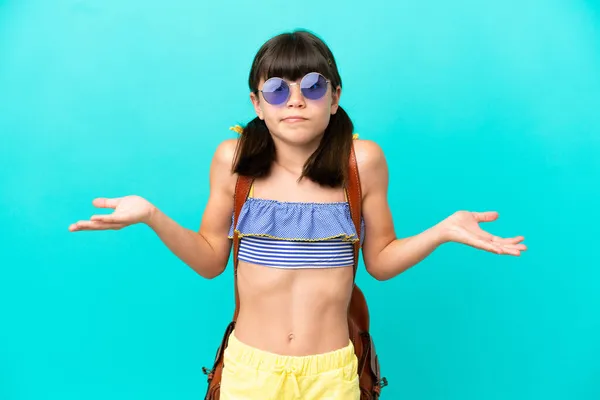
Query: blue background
x,y
490,105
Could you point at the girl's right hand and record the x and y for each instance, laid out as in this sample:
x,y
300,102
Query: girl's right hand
x,y
128,210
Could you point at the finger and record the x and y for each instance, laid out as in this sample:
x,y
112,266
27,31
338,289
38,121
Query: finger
x,y
487,245
93,225
519,246
514,249
108,218
485,242
497,239
81,226
513,240
486,216
510,251
103,202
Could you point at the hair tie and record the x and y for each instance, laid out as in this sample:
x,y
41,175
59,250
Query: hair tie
x,y
237,128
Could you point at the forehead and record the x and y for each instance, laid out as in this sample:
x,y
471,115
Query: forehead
x,y
287,79
291,67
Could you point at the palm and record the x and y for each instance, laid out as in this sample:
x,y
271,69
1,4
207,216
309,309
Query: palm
x,y
463,227
128,210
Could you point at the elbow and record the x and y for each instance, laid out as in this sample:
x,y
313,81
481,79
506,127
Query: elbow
x,y
209,274
377,272
210,261
208,271
380,276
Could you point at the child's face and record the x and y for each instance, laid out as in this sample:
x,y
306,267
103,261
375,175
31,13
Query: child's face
x,y
313,114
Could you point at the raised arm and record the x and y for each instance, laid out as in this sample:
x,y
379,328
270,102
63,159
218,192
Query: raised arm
x,y
384,254
207,250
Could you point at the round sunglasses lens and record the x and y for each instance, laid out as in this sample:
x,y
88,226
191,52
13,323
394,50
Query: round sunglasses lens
x,y
314,86
275,91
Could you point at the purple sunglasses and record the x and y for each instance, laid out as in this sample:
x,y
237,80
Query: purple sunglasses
x,y
276,91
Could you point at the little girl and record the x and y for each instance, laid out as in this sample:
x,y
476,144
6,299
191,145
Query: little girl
x,y
295,271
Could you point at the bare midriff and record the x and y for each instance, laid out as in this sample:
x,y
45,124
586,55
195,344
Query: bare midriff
x,y
293,311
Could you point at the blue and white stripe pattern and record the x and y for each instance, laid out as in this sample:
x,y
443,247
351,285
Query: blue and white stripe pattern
x,y
292,254
296,234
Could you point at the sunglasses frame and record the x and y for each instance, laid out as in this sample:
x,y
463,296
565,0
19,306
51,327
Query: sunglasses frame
x,y
327,81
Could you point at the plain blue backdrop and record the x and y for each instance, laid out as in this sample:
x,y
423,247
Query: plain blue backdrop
x,y
478,105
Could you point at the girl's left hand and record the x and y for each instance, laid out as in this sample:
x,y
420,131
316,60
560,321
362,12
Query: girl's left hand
x,y
463,227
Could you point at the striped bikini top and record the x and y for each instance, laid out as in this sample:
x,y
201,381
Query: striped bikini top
x,y
296,234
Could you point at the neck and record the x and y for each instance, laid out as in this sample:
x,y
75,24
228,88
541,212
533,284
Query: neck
x,y
292,157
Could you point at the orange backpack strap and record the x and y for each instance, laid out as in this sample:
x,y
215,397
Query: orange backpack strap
x,y
242,190
354,195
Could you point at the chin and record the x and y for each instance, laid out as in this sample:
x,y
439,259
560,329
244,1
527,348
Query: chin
x,y
300,136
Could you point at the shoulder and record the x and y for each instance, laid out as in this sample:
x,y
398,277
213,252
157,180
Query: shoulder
x,y
221,174
225,152
372,165
369,156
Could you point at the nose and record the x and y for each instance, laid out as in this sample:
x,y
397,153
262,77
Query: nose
x,y
296,97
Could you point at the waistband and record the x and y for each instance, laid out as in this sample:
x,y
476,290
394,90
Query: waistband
x,y
299,365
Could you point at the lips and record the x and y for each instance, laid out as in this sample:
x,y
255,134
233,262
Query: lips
x,y
294,118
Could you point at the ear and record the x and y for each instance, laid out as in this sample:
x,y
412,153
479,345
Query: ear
x,y
335,99
256,103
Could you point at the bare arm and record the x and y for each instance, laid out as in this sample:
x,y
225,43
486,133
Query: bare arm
x,y
206,251
384,254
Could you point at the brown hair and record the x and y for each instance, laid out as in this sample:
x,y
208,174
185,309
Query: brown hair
x,y
292,55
